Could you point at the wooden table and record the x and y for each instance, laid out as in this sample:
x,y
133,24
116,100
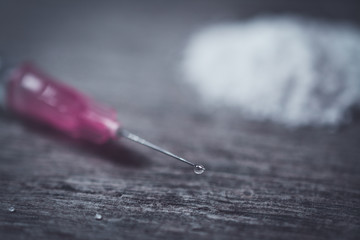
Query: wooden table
x,y
263,181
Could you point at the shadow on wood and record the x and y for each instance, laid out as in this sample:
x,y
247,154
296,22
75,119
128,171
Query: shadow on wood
x,y
112,151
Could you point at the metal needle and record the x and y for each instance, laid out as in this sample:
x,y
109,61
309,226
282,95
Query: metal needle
x,y
125,133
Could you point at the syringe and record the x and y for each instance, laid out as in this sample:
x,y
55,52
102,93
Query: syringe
x,y
33,94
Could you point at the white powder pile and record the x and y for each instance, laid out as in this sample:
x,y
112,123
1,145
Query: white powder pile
x,y
286,69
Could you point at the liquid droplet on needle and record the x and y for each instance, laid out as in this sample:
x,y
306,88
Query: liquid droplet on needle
x,y
98,216
199,169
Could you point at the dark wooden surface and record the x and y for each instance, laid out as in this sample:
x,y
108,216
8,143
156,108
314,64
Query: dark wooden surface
x,y
263,181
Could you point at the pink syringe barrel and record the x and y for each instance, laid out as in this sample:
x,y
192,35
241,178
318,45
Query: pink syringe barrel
x,y
37,96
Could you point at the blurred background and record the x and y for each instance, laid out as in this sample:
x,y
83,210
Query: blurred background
x,y
130,55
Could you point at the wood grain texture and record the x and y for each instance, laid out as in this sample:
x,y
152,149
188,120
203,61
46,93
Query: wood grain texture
x,y
263,181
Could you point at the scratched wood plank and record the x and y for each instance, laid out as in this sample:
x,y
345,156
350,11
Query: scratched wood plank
x,y
263,181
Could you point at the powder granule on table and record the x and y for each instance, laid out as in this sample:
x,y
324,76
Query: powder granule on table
x,y
287,69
